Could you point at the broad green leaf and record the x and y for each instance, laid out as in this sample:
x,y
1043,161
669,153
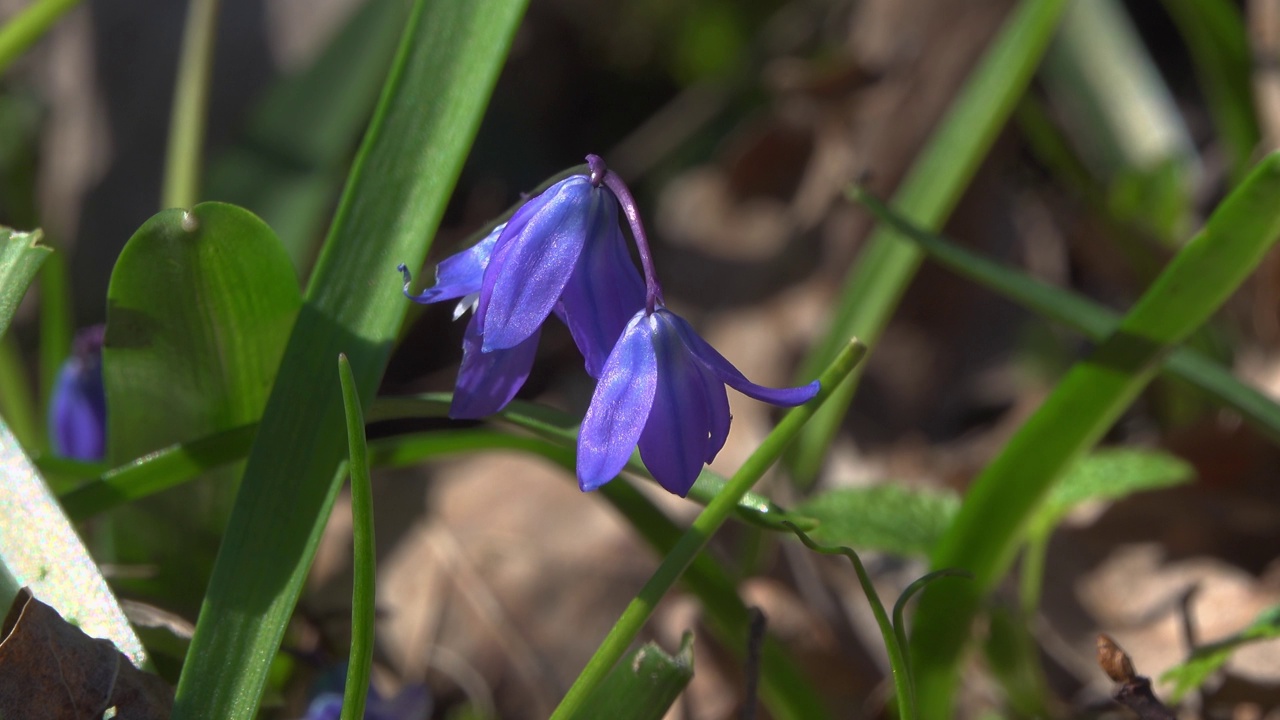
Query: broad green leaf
x,y
644,685
883,518
930,191
42,551
1003,499
198,312
1112,474
431,105
1207,659
289,163
21,256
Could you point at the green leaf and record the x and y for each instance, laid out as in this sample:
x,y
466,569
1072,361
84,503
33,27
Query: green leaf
x,y
1082,407
198,312
41,550
883,518
363,557
21,256
431,105
562,429
289,163
28,26
1112,474
930,191
644,685
1207,659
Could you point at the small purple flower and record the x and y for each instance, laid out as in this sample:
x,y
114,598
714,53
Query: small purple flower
x,y
562,251
663,388
78,406
413,703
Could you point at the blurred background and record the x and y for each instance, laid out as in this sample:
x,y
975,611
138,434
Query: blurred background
x,y
738,123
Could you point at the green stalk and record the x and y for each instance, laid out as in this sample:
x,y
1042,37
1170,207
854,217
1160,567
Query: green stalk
x,y
700,532
363,557
927,196
24,29
1089,399
183,160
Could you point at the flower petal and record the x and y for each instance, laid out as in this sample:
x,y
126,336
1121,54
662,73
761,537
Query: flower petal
x,y
457,275
78,412
604,291
619,406
731,376
533,260
675,440
488,380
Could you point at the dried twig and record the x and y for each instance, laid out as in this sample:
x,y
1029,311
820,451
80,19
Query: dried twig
x,y
1135,690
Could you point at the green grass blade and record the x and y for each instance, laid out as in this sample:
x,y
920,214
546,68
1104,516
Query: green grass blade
x,y
407,166
1081,408
1215,33
56,324
41,549
700,532
1082,314
897,660
157,471
184,157
562,429
644,687
928,195
24,29
17,406
1207,659
363,556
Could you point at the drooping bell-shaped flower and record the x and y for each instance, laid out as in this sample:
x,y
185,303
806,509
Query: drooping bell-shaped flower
x,y
663,389
78,405
563,251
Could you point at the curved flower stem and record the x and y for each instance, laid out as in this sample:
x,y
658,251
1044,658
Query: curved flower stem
x,y
602,175
699,533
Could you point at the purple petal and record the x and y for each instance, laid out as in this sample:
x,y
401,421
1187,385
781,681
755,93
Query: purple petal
x,y
488,380
675,441
605,290
78,409
619,406
731,376
533,260
457,275
413,703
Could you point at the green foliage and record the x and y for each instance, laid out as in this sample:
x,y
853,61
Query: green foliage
x,y
21,256
930,191
886,518
1112,474
644,685
363,554
1207,659
426,119
997,508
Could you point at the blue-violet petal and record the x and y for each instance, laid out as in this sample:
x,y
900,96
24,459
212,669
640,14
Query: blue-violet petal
x,y
731,376
458,275
488,380
619,406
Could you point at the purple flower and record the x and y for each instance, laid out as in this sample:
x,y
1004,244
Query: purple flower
x,y
78,405
663,388
563,252
413,703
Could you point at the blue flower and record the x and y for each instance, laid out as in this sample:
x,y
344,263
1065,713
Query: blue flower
x,y
663,388
78,405
563,251
413,703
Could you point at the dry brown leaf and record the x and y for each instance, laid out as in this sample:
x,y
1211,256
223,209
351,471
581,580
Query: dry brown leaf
x,y
50,669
